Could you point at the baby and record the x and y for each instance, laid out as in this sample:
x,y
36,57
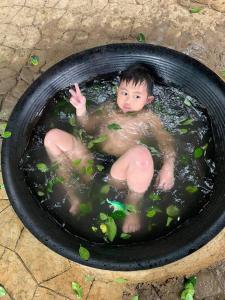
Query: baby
x,y
134,166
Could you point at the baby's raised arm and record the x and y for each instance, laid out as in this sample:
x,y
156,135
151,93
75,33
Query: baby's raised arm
x,y
87,121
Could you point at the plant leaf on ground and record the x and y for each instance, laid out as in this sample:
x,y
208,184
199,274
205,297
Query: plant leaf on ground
x,y
89,278
223,72
77,289
189,288
2,291
120,280
141,37
34,60
194,10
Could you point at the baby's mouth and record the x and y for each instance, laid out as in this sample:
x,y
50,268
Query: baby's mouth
x,y
126,107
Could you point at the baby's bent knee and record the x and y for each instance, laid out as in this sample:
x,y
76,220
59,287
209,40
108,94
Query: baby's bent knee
x,y
51,136
142,156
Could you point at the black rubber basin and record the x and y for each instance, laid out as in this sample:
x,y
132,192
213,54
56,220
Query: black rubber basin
x,y
171,68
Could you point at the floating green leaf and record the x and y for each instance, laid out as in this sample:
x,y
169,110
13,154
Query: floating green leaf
x,y
195,10
131,208
111,228
2,291
173,211
168,221
198,152
51,182
84,253
77,289
125,236
89,278
187,122
105,189
85,208
152,211
103,228
187,102
114,126
120,280
205,146
136,297
76,162
103,216
154,197
191,189
89,170
72,121
100,168
154,151
183,130
42,167
94,228
141,38
40,193
6,134
118,215
98,140
184,159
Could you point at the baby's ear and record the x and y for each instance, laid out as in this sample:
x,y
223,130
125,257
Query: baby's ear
x,y
150,99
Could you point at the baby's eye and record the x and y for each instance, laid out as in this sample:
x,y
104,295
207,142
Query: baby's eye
x,y
124,93
137,97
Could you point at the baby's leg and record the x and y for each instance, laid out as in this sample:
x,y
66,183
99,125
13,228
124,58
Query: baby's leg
x,y
64,148
136,168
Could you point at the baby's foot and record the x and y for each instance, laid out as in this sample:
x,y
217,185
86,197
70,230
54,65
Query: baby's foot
x,y
131,223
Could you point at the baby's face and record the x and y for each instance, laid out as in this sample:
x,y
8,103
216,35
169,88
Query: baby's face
x,y
132,97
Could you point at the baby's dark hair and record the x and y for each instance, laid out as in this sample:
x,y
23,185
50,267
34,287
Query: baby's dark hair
x,y
138,73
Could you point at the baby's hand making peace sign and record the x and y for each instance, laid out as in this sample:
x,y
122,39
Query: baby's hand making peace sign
x,y
78,100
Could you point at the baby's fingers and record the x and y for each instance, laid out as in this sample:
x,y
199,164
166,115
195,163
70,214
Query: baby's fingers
x,y
74,101
77,88
72,93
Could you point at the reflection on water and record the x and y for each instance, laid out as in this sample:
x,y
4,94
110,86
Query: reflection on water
x,y
161,212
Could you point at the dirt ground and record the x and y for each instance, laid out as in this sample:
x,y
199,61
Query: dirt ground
x,y
52,30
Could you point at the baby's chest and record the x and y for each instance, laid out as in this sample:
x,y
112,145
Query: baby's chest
x,y
125,125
